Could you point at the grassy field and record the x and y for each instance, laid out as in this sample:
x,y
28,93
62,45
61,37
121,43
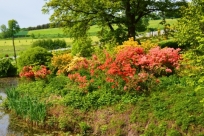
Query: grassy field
x,y
46,31
22,44
155,23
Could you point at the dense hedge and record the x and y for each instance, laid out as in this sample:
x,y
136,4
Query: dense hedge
x,y
50,44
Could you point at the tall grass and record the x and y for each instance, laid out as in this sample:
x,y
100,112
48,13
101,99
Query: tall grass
x,y
27,107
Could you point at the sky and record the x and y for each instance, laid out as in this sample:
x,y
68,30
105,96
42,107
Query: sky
x,y
25,12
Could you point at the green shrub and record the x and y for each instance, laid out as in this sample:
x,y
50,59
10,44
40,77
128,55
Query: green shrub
x,y
6,67
83,47
50,44
168,43
34,57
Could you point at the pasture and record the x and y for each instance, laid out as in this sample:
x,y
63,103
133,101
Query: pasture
x,y
156,23
21,44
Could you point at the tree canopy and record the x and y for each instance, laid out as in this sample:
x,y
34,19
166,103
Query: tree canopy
x,y
13,27
121,18
190,28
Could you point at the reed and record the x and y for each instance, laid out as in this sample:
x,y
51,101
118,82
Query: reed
x,y
29,108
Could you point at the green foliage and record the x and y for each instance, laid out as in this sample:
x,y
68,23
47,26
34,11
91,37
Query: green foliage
x,y
27,107
130,16
83,47
7,68
50,44
13,27
190,26
33,57
84,127
168,43
4,32
173,102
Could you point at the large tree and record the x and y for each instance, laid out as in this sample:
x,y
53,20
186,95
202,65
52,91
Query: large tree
x,y
78,15
13,28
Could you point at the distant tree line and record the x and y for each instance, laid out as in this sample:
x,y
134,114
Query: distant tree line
x,y
43,26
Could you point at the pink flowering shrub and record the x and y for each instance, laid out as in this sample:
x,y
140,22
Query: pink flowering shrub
x,y
80,80
131,68
29,72
136,67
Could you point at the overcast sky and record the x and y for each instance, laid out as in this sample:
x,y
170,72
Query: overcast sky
x,y
25,12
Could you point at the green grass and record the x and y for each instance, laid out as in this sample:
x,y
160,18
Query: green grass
x,y
21,44
155,23
46,31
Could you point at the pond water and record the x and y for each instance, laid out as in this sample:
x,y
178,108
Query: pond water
x,y
9,126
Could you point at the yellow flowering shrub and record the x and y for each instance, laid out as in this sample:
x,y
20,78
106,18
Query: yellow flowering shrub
x,y
77,63
145,45
61,62
128,43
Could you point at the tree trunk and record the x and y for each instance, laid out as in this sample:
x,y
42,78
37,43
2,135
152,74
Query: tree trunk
x,y
14,50
130,20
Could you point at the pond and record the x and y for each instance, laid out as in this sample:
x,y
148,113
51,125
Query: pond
x,y
9,124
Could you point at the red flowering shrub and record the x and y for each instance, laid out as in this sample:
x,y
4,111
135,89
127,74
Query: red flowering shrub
x,y
131,68
42,72
77,78
136,67
29,72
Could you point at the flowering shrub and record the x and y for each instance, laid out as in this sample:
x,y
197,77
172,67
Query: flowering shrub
x,y
163,59
81,81
42,72
135,66
61,62
29,72
77,63
147,45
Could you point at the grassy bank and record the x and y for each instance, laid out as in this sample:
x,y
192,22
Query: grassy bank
x,y
172,108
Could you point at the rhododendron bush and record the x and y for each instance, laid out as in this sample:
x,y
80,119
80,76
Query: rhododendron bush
x,y
34,73
147,45
61,62
134,66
